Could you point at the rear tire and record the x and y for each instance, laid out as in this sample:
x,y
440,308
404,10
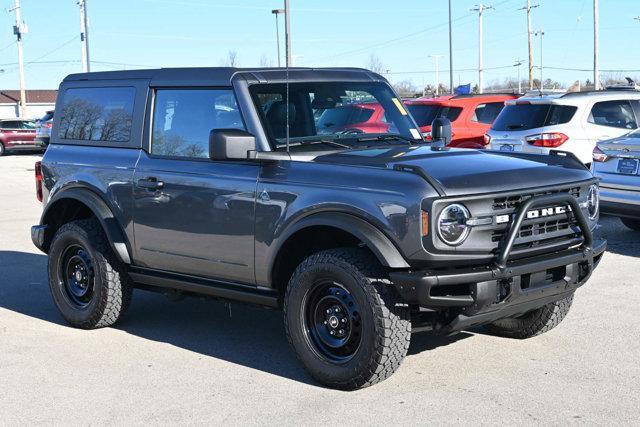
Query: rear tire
x,y
89,285
633,224
2,149
344,320
533,323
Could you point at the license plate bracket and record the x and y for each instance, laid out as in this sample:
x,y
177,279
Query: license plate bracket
x,y
628,166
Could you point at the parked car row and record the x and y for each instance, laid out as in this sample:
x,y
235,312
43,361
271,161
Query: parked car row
x,y
25,134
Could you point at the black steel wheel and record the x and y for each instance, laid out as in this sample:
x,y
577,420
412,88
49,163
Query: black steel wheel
x,y
332,321
76,276
344,320
89,285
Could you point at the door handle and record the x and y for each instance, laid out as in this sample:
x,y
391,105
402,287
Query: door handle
x,y
150,183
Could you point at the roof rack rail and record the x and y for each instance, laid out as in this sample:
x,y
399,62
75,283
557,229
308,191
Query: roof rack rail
x,y
472,95
609,89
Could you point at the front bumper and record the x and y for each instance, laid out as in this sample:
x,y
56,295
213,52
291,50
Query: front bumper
x,y
480,295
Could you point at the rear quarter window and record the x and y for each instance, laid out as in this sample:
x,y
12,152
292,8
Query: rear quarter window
x,y
487,113
97,114
530,116
616,114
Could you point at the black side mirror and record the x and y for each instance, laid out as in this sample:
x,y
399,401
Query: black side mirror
x,y
230,144
441,131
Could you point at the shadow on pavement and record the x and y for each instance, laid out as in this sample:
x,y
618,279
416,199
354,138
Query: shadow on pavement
x,y
246,335
620,239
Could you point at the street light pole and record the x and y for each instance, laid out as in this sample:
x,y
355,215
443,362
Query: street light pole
x,y
518,64
541,34
596,71
287,32
19,30
84,36
450,53
530,41
480,9
276,12
437,59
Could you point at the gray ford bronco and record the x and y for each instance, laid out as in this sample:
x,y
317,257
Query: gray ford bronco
x,y
274,187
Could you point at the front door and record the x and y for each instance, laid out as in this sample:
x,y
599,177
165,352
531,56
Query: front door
x,y
193,215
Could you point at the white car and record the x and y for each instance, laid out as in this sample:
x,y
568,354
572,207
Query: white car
x,y
572,122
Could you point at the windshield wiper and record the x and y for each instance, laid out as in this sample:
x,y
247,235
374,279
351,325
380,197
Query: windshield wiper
x,y
512,127
386,137
324,141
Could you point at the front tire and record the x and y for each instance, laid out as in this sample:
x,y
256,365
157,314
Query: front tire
x,y
533,323
633,224
89,285
2,149
344,320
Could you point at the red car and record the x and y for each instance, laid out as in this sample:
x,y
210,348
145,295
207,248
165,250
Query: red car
x,y
471,116
367,117
17,134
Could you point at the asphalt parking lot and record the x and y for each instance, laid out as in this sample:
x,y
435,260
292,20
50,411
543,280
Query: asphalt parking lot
x,y
200,361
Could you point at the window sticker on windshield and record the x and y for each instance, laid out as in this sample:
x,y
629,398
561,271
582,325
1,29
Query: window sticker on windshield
x,y
399,105
415,134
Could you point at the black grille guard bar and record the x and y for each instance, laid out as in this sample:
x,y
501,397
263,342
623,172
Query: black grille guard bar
x,y
539,201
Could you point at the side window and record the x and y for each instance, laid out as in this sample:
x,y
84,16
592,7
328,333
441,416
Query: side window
x,y
451,113
97,114
487,113
183,118
617,114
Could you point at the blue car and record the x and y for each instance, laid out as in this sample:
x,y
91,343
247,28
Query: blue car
x,y
617,163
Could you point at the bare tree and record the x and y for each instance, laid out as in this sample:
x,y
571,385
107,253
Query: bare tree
x,y
375,64
406,89
232,58
265,61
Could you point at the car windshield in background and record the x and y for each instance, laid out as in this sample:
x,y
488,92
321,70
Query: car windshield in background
x,y
18,124
529,116
425,114
337,114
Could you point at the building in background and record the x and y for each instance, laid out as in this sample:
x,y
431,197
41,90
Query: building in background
x,y
39,101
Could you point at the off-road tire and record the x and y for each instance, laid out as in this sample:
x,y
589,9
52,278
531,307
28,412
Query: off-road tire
x,y
633,224
112,290
533,323
386,326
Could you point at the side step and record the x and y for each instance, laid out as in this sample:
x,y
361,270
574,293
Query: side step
x,y
204,286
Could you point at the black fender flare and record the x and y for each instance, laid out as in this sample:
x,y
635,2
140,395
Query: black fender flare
x,y
381,246
101,210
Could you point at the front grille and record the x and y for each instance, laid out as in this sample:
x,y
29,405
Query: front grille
x,y
512,202
538,229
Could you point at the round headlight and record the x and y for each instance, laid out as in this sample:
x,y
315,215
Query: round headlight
x,y
452,224
593,202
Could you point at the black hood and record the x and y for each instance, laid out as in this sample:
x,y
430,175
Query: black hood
x,y
464,171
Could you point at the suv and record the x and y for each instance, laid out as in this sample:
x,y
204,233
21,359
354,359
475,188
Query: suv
x,y
43,129
217,182
365,117
17,135
470,115
572,122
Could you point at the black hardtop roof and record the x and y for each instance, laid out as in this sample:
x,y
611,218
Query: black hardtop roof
x,y
222,76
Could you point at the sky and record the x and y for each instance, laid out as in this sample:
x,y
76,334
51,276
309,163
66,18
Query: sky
x,y
403,34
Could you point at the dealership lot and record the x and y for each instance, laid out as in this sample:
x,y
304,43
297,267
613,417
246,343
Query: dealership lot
x,y
204,361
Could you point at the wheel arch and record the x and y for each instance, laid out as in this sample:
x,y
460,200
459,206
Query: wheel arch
x,y
339,229
78,203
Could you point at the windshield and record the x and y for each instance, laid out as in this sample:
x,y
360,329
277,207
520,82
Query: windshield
x,y
530,116
341,114
424,114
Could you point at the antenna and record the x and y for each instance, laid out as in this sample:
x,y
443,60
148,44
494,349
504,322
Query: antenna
x,y
287,23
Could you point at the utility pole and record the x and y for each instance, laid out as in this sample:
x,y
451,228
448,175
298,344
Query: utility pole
x,y
518,64
19,29
450,53
277,12
287,32
84,36
437,59
596,71
529,40
541,34
480,9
